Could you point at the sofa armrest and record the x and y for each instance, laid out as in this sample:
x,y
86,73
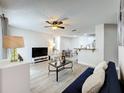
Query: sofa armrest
x,y
111,84
76,86
122,85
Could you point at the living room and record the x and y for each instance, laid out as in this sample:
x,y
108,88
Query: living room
x,y
48,45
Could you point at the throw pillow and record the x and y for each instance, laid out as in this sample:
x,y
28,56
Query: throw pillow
x,y
102,65
94,82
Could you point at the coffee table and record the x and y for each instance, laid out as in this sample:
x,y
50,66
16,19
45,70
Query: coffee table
x,y
59,67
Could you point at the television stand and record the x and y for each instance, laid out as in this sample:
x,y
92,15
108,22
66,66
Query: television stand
x,y
40,59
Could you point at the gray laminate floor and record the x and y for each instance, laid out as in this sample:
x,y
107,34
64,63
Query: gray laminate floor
x,y
41,82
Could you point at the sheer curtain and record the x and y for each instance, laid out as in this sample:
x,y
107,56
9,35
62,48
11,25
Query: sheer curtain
x,y
3,29
121,40
121,24
0,41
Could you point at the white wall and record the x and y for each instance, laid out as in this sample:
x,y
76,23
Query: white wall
x,y
85,40
110,44
93,58
100,42
57,42
31,39
106,46
65,43
75,42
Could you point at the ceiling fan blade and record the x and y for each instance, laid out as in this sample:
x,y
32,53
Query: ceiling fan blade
x,y
48,22
47,26
61,27
60,22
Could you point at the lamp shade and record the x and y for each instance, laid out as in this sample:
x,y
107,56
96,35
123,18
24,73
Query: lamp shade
x,y
13,42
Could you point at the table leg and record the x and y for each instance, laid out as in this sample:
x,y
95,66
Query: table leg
x,y
57,74
48,69
72,66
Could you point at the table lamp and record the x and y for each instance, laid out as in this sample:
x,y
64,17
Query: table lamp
x,y
13,42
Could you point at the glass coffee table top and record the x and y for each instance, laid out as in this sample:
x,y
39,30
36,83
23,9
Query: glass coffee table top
x,y
59,66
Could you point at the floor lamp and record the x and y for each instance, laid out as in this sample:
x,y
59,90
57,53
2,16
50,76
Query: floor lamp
x,y
13,42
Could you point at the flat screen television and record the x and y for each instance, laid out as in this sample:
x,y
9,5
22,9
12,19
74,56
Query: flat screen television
x,y
39,51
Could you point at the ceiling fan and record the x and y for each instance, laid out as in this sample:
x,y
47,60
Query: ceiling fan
x,y
56,24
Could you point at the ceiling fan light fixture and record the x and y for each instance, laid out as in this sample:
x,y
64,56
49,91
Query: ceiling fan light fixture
x,y
56,24
54,27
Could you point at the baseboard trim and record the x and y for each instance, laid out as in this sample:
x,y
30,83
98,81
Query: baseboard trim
x,y
89,65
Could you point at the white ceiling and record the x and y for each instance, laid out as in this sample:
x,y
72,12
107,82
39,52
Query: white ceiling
x,y
83,14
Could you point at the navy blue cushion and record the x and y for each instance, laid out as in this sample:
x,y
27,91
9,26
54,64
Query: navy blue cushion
x,y
122,85
76,86
111,84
